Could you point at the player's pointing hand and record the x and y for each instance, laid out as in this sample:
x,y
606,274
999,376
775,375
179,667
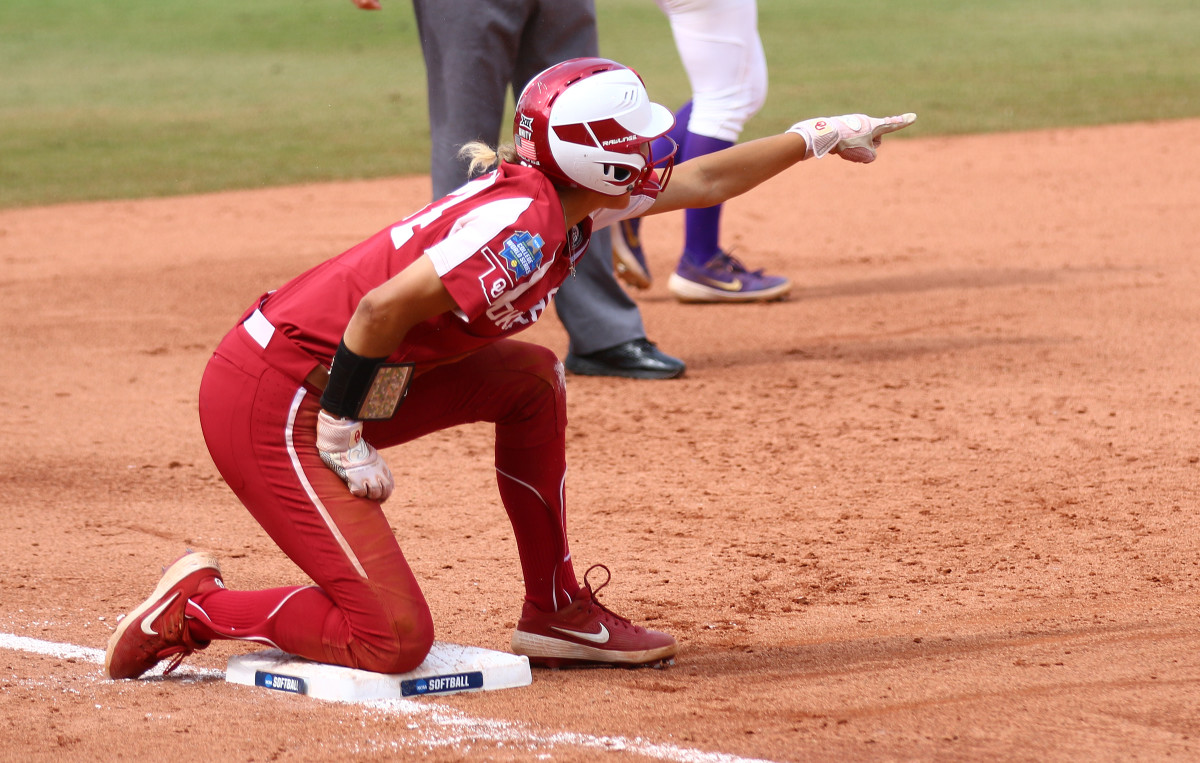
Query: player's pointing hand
x,y
853,137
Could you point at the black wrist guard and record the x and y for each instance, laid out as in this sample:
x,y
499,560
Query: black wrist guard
x,y
366,389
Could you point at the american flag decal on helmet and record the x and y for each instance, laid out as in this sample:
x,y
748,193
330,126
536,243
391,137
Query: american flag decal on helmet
x,y
525,147
526,151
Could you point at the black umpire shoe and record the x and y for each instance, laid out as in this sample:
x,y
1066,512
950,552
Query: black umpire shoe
x,y
635,359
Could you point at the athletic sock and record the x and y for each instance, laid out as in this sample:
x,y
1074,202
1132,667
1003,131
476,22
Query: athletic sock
x,y
252,614
531,482
702,227
299,620
304,621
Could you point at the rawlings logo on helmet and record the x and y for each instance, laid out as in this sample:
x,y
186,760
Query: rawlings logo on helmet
x,y
588,123
625,139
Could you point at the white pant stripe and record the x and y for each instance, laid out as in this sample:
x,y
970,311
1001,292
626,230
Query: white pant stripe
x,y
308,488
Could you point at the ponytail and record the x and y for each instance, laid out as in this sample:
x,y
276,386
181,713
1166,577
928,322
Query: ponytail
x,y
483,157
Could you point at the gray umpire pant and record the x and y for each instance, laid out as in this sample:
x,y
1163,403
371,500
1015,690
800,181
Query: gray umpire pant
x,y
474,51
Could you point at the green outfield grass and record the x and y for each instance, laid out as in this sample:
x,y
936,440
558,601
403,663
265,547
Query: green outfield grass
x,y
130,98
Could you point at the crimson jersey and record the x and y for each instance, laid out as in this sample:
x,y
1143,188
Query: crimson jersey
x,y
499,244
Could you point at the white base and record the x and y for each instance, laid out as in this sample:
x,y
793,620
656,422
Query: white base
x,y
449,669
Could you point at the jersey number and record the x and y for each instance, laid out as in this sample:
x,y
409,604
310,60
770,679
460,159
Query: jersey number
x,y
405,230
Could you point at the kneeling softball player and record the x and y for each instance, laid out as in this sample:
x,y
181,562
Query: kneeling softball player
x,y
299,395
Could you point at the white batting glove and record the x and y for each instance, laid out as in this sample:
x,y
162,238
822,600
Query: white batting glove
x,y
344,450
853,136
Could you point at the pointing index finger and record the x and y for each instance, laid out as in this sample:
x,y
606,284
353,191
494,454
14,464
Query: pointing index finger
x,y
892,124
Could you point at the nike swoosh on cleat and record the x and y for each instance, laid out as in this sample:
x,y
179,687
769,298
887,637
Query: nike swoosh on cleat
x,y
154,613
600,637
734,285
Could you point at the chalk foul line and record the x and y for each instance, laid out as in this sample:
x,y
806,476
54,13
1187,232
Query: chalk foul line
x,y
446,726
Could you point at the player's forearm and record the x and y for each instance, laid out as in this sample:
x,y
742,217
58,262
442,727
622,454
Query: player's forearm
x,y
717,177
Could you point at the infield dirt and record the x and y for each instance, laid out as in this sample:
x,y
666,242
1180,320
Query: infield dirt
x,y
939,505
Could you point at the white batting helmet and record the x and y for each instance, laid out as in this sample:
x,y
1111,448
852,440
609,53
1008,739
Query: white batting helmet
x,y
588,123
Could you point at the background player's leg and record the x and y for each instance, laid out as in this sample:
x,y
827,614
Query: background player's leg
x,y
470,50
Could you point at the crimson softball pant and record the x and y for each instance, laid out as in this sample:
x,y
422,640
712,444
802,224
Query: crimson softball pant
x,y
366,609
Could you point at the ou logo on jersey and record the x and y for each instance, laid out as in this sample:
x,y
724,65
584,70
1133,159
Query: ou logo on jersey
x,y
506,317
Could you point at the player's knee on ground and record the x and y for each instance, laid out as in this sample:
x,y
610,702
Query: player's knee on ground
x,y
399,651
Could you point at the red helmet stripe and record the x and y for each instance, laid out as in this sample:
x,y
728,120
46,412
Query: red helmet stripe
x,y
576,133
586,146
614,137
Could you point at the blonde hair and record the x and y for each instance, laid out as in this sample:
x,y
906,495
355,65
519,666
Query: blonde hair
x,y
483,157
